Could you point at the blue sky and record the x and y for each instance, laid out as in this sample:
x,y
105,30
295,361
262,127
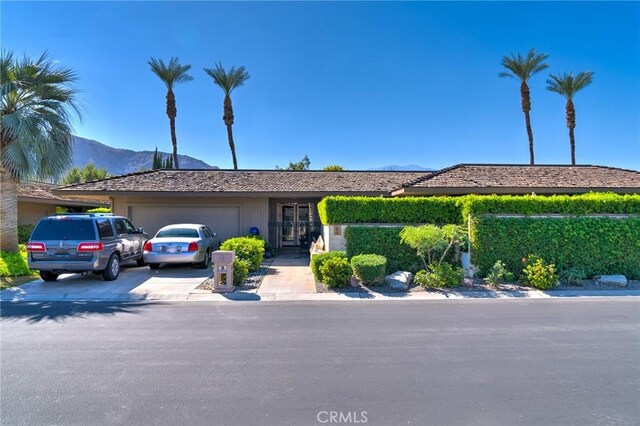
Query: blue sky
x,y
362,84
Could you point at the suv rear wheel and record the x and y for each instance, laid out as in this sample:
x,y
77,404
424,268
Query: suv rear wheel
x,y
48,276
113,268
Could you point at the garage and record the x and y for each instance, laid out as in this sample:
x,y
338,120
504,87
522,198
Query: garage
x,y
224,220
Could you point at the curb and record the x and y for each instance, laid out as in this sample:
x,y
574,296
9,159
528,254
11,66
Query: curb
x,y
331,297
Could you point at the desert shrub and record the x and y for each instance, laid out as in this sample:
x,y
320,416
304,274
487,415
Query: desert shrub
x,y
431,242
499,273
384,241
572,276
14,264
341,209
100,210
369,268
248,249
538,273
439,275
336,272
317,260
24,233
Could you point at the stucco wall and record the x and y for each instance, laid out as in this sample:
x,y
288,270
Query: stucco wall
x,y
31,213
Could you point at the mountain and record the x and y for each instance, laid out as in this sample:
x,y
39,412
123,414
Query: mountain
x,y
119,161
407,168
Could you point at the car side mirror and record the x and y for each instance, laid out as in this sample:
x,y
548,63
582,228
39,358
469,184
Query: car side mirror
x,y
215,234
141,230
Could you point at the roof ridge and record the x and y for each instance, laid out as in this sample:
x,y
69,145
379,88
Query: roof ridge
x,y
140,172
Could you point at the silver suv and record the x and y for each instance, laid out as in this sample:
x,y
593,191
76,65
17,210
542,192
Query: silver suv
x,y
89,242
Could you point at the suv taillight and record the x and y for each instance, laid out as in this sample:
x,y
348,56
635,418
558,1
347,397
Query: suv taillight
x,y
193,246
36,247
90,246
147,246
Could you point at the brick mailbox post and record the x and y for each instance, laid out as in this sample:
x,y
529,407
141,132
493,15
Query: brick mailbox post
x,y
222,264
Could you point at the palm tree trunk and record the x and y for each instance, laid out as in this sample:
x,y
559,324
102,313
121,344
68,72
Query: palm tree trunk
x,y
232,146
526,107
571,124
228,121
8,212
172,112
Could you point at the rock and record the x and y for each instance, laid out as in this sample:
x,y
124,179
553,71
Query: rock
x,y
353,282
617,280
399,280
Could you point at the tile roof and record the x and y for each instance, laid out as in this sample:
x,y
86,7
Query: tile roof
x,y
505,176
249,181
34,191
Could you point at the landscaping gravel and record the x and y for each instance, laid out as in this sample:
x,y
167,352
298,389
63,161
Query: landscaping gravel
x,y
252,282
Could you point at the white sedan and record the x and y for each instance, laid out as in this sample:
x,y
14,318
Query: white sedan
x,y
181,243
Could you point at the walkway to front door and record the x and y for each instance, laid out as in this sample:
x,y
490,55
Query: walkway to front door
x,y
289,273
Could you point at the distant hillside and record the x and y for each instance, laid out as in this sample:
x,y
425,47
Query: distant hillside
x,y
119,161
407,168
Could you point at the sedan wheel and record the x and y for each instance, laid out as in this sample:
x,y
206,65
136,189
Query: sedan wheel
x,y
206,263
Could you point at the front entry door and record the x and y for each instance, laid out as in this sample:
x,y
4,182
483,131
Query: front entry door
x,y
295,224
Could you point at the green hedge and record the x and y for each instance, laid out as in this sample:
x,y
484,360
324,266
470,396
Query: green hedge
x,y
441,210
24,233
596,245
369,268
410,210
100,210
384,241
591,203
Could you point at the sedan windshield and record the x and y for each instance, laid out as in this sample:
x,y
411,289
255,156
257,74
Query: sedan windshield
x,y
177,232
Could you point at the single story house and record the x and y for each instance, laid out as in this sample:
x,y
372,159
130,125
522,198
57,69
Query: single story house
x,y
282,204
36,200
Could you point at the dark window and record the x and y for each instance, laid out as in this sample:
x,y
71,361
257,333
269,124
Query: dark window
x,y
205,232
177,232
120,228
129,226
64,229
104,228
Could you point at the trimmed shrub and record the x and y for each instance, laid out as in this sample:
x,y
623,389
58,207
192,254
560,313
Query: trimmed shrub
x,y
596,245
572,276
591,203
248,249
24,233
369,268
537,273
100,210
317,260
439,275
14,264
438,210
240,271
384,241
336,272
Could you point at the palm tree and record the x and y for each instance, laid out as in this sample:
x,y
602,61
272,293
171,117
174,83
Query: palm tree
x,y
567,85
522,68
228,81
37,107
171,75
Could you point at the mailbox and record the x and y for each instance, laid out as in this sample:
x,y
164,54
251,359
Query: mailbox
x,y
223,264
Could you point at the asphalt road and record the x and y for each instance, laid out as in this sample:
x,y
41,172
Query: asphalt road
x,y
468,362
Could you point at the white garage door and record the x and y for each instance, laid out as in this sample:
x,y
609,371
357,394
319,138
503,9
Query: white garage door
x,y
225,221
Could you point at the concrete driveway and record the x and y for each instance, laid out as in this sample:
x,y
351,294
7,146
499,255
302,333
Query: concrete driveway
x,y
172,282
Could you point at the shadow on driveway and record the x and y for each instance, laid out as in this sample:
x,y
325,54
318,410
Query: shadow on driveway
x,y
35,312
